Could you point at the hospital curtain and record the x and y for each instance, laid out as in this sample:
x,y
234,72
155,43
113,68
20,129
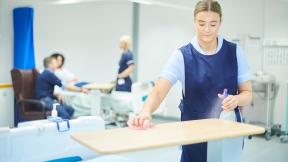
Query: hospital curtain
x,y
23,38
23,44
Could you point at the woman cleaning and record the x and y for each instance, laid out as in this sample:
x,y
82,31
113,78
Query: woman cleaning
x,y
126,66
206,67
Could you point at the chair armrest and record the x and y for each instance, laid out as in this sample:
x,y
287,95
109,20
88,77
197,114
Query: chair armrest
x,y
32,102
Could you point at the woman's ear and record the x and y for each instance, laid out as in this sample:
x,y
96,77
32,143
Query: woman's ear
x,y
126,45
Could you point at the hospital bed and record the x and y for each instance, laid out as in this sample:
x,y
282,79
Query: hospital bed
x,y
140,92
83,104
118,106
42,141
97,103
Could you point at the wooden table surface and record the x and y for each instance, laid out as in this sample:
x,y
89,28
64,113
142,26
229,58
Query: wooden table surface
x,y
97,86
122,140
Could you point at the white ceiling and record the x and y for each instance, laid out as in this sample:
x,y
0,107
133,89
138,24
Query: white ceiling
x,y
164,1
182,4
173,2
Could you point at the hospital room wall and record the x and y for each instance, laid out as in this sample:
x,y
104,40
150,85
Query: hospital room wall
x,y
5,44
163,30
276,28
86,33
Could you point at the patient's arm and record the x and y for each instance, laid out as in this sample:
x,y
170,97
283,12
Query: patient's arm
x,y
76,89
126,72
72,80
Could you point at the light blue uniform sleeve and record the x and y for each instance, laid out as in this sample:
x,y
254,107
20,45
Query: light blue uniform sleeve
x,y
174,68
244,71
129,59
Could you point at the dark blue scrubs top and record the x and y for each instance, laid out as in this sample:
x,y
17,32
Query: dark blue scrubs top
x,y
45,83
126,83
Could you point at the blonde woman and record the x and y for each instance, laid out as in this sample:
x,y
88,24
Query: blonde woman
x,y
205,67
126,66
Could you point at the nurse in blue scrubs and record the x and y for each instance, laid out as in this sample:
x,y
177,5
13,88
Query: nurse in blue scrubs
x,y
205,67
126,66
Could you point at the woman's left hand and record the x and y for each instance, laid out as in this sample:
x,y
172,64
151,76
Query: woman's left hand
x,y
229,103
119,76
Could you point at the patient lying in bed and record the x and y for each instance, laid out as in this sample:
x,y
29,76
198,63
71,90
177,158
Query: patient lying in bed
x,y
64,74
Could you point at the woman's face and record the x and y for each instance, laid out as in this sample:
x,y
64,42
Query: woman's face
x,y
123,44
207,25
53,64
59,61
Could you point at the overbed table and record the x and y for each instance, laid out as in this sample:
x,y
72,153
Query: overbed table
x,y
123,140
104,88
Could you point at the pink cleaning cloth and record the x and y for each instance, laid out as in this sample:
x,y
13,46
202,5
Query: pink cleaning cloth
x,y
147,124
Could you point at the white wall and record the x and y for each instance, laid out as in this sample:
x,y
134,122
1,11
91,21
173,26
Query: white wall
x,y
241,21
87,33
276,22
6,107
276,27
5,43
162,31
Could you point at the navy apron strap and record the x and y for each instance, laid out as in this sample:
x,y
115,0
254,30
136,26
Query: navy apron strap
x,y
238,115
239,119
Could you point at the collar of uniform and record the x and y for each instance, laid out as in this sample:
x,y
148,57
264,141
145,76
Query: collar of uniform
x,y
126,51
50,70
196,45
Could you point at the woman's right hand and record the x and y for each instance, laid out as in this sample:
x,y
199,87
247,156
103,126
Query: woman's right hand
x,y
141,121
144,119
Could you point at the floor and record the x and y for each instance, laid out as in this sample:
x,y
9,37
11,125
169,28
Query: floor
x,y
256,150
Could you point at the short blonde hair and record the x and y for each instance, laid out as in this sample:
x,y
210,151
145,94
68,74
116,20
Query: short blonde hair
x,y
127,40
